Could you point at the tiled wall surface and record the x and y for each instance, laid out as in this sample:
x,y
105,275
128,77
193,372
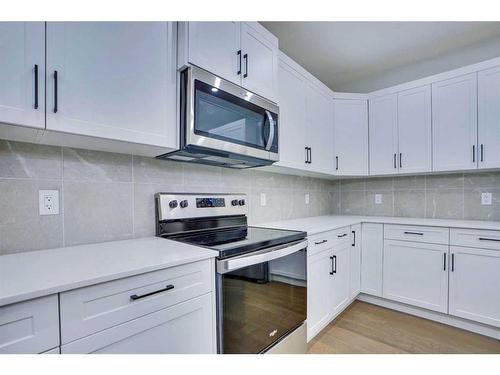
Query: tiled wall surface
x,y
106,196
450,196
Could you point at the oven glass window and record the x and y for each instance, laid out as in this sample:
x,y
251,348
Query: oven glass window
x,y
227,117
263,302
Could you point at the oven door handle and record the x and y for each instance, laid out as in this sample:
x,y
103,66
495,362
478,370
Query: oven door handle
x,y
228,265
272,130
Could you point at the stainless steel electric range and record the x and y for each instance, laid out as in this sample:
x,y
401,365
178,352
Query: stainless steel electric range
x,y
261,275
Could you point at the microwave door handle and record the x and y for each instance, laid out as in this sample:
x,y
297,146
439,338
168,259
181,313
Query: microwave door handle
x,y
272,130
228,265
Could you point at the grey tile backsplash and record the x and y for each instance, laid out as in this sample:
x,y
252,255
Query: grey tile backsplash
x,y
107,196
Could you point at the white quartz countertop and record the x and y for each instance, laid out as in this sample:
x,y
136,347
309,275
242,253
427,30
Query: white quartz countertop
x,y
318,224
34,274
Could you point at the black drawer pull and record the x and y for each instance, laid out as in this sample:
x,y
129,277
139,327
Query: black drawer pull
x,y
416,233
342,235
320,242
55,92
489,239
444,262
36,86
353,238
136,297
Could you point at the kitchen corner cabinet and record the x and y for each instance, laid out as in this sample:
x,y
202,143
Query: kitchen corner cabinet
x,y
475,284
372,249
488,118
244,53
350,137
113,80
22,77
355,261
454,123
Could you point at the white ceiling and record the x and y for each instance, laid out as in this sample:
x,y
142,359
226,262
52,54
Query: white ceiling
x,y
366,56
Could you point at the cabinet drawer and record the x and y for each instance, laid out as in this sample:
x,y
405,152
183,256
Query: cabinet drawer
x,y
29,327
327,240
417,233
484,239
92,309
186,328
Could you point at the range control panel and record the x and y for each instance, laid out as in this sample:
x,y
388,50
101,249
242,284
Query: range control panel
x,y
173,206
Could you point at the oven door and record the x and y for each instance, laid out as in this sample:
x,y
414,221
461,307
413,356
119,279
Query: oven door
x,y
261,297
223,116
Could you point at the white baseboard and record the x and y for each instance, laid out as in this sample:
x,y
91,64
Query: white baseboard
x,y
467,325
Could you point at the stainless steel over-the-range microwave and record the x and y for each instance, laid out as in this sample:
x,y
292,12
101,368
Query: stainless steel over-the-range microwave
x,y
224,124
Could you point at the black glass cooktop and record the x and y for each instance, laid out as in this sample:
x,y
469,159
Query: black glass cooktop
x,y
239,240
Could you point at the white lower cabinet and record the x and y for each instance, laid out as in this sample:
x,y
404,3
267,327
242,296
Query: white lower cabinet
x,y
29,327
416,274
341,278
475,284
355,261
180,329
372,247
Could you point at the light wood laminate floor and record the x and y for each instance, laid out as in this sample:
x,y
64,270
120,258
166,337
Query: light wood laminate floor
x,y
368,329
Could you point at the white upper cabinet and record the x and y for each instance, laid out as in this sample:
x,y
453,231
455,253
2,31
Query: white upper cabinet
x,y
215,46
414,130
292,103
259,60
113,80
319,129
489,118
454,123
244,53
22,73
383,134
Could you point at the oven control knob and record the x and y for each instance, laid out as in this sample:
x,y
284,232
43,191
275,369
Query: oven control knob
x,y
184,203
172,204
234,202
241,202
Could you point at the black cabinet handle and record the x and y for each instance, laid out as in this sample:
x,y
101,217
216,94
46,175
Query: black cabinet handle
x,y
353,238
136,297
444,262
489,239
310,155
341,235
320,242
452,262
331,260
416,233
482,152
400,160
307,155
239,62
473,153
245,56
335,263
395,165
36,86
336,163
55,91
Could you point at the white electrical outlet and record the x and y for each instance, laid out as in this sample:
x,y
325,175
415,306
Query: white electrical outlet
x,y
378,198
48,201
262,199
306,198
486,199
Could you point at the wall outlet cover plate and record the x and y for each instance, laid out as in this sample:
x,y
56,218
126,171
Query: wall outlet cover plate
x,y
486,199
378,198
48,201
262,199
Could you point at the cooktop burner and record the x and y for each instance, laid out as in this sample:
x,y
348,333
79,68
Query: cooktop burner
x,y
239,240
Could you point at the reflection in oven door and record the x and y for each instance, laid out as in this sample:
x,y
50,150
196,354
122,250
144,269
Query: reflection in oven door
x,y
261,303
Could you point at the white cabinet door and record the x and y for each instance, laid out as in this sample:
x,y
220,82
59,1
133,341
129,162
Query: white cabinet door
x,y
319,287
319,128
341,278
414,129
489,118
372,248
475,284
350,137
215,46
259,62
185,328
355,261
454,124
115,80
22,73
383,135
416,274
292,116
